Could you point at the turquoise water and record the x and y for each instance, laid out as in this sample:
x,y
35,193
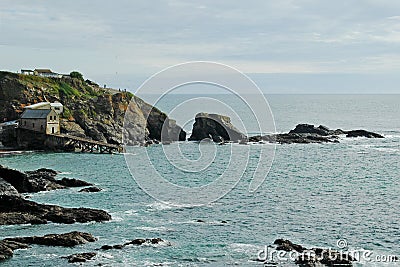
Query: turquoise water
x,y
314,195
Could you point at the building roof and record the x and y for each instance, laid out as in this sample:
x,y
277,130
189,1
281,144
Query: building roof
x,y
56,104
26,70
44,71
35,113
38,105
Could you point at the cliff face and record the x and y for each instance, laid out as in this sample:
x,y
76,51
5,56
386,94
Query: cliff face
x,y
89,110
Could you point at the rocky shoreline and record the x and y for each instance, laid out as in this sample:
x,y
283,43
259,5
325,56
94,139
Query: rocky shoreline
x,y
15,209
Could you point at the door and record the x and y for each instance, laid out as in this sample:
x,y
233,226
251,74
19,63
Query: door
x,y
52,130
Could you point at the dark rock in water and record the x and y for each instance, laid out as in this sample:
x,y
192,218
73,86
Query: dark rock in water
x,y
71,182
363,133
36,181
16,210
136,242
7,248
215,126
140,241
80,257
287,245
315,256
65,240
308,134
43,171
310,129
106,247
200,221
90,189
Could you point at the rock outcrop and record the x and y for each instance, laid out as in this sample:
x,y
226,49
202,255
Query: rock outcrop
x,y
215,127
315,256
35,181
6,189
8,245
308,133
90,111
70,239
16,210
7,248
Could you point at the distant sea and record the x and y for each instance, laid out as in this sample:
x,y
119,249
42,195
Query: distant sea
x,y
314,194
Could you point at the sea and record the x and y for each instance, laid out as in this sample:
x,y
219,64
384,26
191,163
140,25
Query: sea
x,y
343,196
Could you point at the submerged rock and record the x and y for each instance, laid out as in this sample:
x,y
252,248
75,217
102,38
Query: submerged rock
x,y
80,257
137,242
216,127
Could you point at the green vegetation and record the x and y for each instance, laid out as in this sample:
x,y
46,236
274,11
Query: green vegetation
x,y
66,113
68,90
76,74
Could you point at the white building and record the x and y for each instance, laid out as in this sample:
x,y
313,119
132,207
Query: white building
x,y
27,72
46,73
42,117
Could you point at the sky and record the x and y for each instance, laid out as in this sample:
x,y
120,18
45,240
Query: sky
x,y
286,46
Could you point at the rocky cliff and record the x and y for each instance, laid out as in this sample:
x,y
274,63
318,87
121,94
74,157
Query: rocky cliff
x,y
89,110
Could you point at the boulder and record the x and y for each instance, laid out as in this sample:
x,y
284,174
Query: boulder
x,y
90,189
217,127
72,182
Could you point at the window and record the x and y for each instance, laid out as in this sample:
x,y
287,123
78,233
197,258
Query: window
x,y
51,117
33,125
25,123
55,117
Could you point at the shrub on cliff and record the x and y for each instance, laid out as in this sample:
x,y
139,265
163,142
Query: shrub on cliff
x,y
76,74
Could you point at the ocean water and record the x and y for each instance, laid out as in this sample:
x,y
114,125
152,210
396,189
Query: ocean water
x,y
314,194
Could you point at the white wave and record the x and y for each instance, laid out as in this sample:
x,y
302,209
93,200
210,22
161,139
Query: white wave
x,y
243,247
155,229
166,206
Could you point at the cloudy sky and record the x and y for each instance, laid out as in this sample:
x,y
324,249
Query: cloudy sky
x,y
299,46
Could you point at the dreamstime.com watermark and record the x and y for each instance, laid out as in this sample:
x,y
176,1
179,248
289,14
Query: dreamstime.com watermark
x,y
246,105
340,254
